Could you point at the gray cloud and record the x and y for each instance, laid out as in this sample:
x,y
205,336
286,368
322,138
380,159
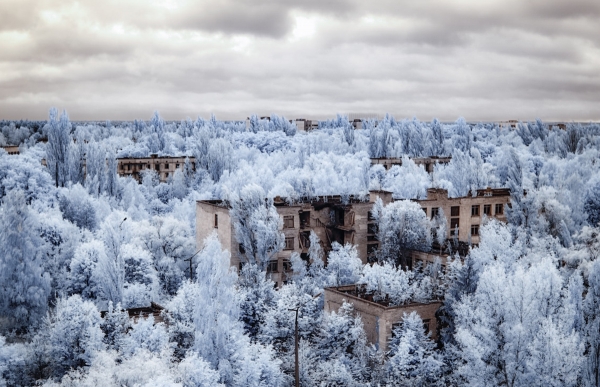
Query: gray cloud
x,y
445,58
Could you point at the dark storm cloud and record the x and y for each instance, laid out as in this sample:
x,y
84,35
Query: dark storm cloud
x,y
447,58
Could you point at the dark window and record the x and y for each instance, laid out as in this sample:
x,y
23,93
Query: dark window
x,y
487,209
434,212
426,323
289,243
454,225
397,329
167,174
371,248
475,210
455,211
157,167
425,210
288,221
176,165
499,209
370,215
372,228
241,248
216,221
305,240
475,229
129,167
166,166
305,219
287,266
272,266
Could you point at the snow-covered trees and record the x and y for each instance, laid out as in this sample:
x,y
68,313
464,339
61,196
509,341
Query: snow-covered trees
x,y
24,286
59,143
256,224
402,226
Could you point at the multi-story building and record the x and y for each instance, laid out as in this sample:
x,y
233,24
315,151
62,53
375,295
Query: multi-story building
x,y
379,319
427,162
11,149
465,214
329,217
304,125
165,166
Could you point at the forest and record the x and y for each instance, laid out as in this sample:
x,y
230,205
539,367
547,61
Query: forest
x,y
521,308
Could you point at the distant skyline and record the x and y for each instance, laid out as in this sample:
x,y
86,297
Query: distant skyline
x,y
122,60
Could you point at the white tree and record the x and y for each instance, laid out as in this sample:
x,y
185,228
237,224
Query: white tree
x,y
58,146
256,224
343,265
24,286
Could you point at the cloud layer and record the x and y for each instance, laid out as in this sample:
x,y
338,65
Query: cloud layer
x,y
485,60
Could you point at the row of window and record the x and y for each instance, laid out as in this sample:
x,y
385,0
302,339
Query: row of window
x,y
455,210
144,166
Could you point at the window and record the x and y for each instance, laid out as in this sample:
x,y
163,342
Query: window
x,y
129,167
166,166
425,210
157,167
396,329
176,166
455,211
499,209
454,225
474,230
216,221
475,210
287,266
426,323
241,248
289,243
272,266
167,174
372,228
434,212
288,221
370,215
487,209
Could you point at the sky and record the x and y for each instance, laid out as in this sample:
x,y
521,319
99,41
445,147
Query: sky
x,y
484,60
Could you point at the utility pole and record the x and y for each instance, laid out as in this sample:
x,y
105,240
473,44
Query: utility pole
x,y
297,364
190,260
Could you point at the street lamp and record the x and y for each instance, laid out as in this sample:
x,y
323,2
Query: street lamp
x,y
297,365
190,259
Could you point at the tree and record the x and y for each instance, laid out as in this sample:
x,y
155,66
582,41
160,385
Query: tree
x,y
592,203
24,286
256,224
73,335
403,226
58,147
343,265
412,359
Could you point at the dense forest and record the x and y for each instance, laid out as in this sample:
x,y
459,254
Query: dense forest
x,y
519,309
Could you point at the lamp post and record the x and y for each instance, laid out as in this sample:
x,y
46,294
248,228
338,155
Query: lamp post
x,y
297,364
190,259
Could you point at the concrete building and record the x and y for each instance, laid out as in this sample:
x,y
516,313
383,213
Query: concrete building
x,y
380,319
304,125
427,162
165,166
11,149
465,214
331,218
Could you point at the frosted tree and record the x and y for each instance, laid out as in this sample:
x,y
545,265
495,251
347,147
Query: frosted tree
x,y
412,359
403,226
257,297
437,139
256,224
82,268
72,334
343,265
592,202
24,286
109,274
78,208
58,147
111,181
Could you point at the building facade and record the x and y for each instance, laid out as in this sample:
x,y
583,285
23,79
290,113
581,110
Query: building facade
x,y
379,320
165,166
329,217
464,215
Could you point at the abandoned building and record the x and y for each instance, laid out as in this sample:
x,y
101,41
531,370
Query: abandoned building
x,y
464,215
427,162
331,218
155,310
165,166
11,149
379,319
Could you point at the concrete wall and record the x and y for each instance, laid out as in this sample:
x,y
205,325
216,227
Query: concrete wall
x,y
166,166
378,319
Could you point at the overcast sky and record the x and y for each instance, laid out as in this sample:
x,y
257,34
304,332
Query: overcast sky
x,y
123,59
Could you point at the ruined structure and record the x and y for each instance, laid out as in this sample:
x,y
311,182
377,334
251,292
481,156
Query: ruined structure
x,y
165,166
380,319
11,149
330,217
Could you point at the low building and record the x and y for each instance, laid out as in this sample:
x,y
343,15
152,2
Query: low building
x,y
155,310
165,166
329,217
380,319
427,162
304,125
465,214
11,149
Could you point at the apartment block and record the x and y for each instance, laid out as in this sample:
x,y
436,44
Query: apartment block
x,y
379,319
465,214
11,149
165,166
331,218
